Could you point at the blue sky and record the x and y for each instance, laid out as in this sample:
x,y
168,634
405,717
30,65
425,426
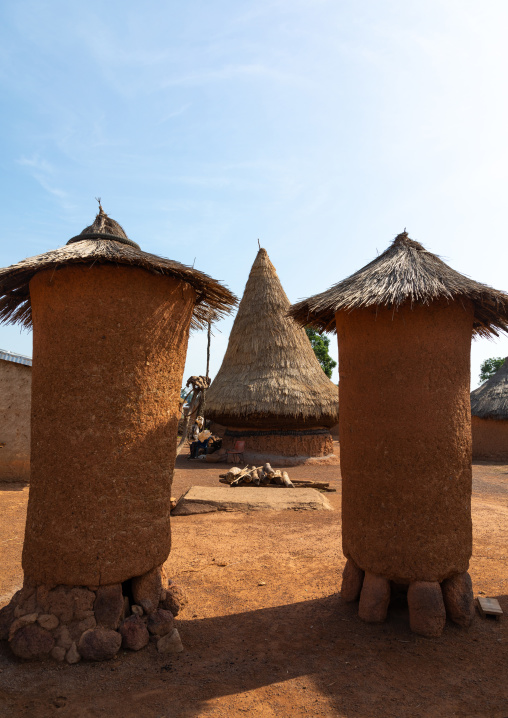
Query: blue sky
x,y
323,127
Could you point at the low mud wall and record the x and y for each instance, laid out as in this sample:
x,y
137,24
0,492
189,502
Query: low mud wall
x,y
15,390
490,439
310,442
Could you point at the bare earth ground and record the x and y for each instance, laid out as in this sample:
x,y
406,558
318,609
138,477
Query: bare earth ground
x,y
289,647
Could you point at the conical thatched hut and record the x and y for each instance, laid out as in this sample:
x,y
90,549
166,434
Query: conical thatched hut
x,y
404,324
271,390
110,331
489,417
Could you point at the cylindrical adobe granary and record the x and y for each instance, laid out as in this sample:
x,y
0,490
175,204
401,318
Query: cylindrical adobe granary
x,y
107,373
110,329
405,439
404,325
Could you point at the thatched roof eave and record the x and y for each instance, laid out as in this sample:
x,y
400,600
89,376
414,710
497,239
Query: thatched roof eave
x,y
214,300
490,400
406,273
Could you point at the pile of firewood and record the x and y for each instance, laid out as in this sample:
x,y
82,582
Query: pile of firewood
x,y
266,476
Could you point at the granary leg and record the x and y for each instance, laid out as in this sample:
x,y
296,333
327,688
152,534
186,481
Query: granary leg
x,y
458,598
374,598
352,581
427,613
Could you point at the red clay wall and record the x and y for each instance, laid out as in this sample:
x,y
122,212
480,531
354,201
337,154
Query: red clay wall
x,y
15,383
108,357
405,437
300,445
490,439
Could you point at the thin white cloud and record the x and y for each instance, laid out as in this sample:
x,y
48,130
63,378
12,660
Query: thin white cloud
x,y
43,173
176,113
229,72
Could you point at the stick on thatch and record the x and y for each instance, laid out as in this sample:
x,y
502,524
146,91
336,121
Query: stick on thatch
x,y
405,272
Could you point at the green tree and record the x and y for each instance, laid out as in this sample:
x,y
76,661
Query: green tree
x,y
320,344
489,367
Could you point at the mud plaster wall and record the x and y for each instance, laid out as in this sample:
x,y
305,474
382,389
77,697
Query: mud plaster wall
x,y
405,437
303,445
108,357
490,439
15,388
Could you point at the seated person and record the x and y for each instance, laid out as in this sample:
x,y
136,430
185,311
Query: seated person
x,y
200,437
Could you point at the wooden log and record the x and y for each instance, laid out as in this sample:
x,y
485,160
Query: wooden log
x,y
245,476
286,480
231,474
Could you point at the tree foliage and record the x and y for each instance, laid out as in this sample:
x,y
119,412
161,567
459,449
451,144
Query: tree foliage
x,y
320,344
489,367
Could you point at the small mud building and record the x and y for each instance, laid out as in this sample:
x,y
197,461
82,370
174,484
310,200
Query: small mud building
x,y
271,390
15,389
489,417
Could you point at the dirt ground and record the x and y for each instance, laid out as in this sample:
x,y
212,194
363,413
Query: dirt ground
x,y
265,631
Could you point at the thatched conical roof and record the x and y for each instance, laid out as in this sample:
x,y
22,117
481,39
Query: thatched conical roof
x,y
405,272
270,375
490,400
105,242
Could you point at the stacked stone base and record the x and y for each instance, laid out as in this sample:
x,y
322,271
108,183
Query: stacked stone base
x,y
429,602
69,623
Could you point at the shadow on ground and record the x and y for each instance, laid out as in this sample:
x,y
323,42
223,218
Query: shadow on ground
x,y
308,658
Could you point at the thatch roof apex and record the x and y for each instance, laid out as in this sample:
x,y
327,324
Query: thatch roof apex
x,y
105,242
490,400
104,227
405,272
270,375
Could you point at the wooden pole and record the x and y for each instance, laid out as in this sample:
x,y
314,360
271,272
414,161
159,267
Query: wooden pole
x,y
208,351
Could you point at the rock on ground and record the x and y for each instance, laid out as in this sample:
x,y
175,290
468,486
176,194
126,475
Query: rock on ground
x,y
170,643
427,614
99,644
32,642
134,633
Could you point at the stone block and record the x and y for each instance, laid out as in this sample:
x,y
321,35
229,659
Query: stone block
x,y
72,656
459,599
32,642
99,644
352,581
134,633
160,622
175,599
109,606
427,614
170,643
48,621
148,587
374,598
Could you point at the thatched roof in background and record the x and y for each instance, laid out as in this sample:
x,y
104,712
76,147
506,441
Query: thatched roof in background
x,y
270,374
490,400
105,242
405,272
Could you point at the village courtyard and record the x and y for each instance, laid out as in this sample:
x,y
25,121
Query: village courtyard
x,y
265,632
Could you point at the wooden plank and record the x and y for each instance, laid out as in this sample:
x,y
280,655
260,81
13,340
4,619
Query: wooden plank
x,y
489,606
